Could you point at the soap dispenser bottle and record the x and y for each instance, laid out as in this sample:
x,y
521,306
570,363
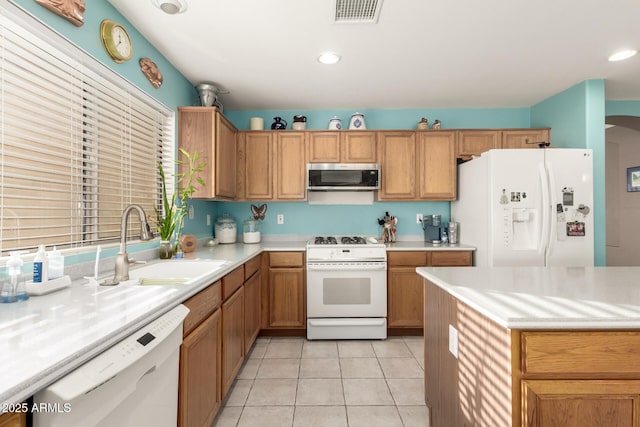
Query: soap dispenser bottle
x,y
40,264
14,288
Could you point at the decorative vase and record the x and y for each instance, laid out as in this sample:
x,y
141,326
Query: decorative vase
x,y
165,250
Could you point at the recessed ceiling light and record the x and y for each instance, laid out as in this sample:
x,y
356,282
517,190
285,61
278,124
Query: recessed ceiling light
x,y
623,54
171,7
328,58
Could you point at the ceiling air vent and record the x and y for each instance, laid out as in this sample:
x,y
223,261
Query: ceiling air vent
x,y
357,11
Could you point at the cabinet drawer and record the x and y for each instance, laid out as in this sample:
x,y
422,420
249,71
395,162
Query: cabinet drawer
x,y
232,281
450,258
409,258
581,352
251,267
286,259
201,305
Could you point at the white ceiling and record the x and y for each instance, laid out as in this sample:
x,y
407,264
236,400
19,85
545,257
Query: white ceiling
x,y
420,54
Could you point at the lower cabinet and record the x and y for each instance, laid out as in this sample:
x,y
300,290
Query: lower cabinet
x,y
199,394
405,302
286,291
252,303
200,374
581,403
13,419
232,338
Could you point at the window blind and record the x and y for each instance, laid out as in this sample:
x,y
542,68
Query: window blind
x,y
78,143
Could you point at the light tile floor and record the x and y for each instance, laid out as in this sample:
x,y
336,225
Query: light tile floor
x,y
292,382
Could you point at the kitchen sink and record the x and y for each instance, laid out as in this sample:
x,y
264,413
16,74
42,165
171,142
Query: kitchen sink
x,y
175,271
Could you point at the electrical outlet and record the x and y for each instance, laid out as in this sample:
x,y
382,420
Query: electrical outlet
x,y
280,219
191,212
418,218
208,219
453,341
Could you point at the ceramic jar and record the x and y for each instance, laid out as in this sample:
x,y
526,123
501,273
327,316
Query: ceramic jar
x,y
357,121
335,123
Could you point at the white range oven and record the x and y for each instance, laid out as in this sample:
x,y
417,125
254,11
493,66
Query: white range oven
x,y
346,288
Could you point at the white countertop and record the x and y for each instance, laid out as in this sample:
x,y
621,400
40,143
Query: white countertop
x,y
546,298
48,336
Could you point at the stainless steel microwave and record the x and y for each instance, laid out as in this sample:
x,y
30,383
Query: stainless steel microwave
x,y
343,176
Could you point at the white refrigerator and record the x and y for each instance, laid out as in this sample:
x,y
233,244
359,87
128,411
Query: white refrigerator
x,y
527,207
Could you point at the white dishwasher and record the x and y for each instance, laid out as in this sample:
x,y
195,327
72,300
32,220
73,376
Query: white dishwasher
x,y
132,384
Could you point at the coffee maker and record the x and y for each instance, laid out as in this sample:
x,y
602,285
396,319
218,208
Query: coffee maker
x,y
431,227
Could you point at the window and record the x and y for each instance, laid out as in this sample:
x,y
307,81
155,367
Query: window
x,y
78,143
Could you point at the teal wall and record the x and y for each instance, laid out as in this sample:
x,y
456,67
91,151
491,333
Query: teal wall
x,y
576,117
302,218
176,89
622,108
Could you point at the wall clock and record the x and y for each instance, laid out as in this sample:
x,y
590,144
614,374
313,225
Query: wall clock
x,y
116,41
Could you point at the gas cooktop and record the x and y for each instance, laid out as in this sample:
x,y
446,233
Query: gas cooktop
x,y
342,240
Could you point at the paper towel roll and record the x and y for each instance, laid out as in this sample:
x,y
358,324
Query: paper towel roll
x,y
256,123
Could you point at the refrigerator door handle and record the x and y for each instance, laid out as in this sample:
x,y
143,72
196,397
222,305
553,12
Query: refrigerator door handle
x,y
553,224
546,212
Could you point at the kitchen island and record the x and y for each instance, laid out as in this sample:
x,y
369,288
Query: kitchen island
x,y
532,346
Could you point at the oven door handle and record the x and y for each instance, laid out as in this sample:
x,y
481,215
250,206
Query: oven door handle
x,y
347,266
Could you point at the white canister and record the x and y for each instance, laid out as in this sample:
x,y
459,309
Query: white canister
x,y
256,123
357,121
225,229
335,123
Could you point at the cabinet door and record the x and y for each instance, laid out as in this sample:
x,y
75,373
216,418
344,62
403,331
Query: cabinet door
x,y
437,165
476,142
14,419
225,159
207,131
524,138
290,166
404,298
451,259
232,338
251,310
199,397
358,147
576,403
287,298
258,165
323,147
397,156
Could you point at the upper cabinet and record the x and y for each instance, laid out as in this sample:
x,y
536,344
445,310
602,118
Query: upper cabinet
x,y
255,165
472,142
475,142
341,147
437,169
290,166
207,131
525,138
417,165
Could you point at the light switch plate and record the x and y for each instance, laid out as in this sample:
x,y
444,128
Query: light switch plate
x,y
280,219
453,341
418,218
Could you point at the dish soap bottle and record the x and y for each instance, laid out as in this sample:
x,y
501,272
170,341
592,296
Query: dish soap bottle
x,y
56,264
40,266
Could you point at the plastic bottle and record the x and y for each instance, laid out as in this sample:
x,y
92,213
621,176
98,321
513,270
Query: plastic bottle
x,y
56,264
14,288
40,264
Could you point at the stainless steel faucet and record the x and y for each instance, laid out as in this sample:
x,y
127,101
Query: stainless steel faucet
x,y
122,258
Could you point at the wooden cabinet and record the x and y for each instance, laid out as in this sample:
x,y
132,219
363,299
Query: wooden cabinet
x,y
437,169
286,291
405,302
13,419
200,395
404,289
290,166
475,142
580,403
342,147
252,301
255,166
207,131
199,387
397,154
232,338
524,138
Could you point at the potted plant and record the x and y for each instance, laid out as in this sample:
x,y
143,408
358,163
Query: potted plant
x,y
170,221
